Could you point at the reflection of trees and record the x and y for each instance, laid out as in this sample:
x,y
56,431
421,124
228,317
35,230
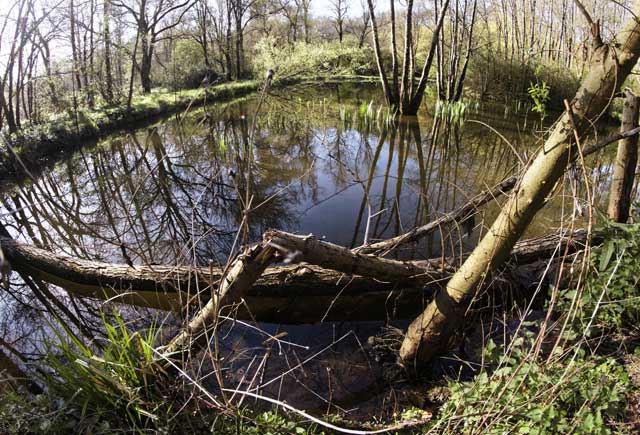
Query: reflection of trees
x,y
412,179
159,195
173,193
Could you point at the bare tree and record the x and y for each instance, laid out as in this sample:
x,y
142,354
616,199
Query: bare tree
x,y
451,72
404,94
360,26
153,19
339,9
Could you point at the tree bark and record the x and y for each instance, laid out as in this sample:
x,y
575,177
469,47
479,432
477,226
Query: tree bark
x,y
430,332
338,258
236,283
624,170
301,293
145,62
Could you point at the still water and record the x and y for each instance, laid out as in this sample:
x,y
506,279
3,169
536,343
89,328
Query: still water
x,y
174,192
312,160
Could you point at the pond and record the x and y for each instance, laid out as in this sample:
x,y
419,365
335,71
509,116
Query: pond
x,y
174,192
322,161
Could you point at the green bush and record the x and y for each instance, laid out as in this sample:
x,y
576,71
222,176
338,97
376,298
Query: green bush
x,y
187,68
302,59
527,396
608,301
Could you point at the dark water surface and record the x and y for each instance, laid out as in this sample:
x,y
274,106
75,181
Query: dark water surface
x,y
324,161
173,192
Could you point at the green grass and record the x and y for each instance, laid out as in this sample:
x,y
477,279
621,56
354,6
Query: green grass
x,y
68,130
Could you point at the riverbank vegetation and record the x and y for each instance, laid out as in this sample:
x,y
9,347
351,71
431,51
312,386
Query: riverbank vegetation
x,y
441,247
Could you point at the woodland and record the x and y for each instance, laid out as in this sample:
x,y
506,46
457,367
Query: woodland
x,y
319,216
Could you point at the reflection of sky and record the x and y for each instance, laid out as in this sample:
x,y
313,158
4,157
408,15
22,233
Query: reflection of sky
x,y
324,201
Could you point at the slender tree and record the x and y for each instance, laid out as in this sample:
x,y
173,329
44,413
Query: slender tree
x,y
404,94
339,9
611,64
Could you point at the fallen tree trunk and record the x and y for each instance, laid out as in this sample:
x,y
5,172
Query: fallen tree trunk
x,y
236,282
458,215
338,258
301,293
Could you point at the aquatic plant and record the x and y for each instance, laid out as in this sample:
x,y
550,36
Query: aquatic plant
x,y
539,93
453,112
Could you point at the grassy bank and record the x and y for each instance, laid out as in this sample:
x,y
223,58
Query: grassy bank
x,y
66,132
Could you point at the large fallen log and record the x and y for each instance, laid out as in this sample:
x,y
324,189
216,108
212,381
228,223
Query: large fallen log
x,y
300,293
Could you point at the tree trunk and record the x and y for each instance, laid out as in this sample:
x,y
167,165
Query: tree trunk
x,y
133,70
145,65
417,94
236,283
74,48
624,170
611,64
108,77
390,96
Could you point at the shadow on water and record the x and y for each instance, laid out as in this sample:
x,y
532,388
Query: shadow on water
x,y
325,162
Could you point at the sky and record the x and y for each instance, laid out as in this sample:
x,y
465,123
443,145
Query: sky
x,y
319,7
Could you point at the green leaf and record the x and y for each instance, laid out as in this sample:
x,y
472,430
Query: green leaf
x,y
607,253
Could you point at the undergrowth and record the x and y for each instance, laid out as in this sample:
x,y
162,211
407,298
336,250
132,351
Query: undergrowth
x,y
578,387
115,386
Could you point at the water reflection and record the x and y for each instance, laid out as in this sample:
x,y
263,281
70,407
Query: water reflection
x,y
176,192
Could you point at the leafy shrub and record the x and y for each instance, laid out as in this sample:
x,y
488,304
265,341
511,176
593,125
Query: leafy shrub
x,y
308,59
610,293
527,396
539,93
